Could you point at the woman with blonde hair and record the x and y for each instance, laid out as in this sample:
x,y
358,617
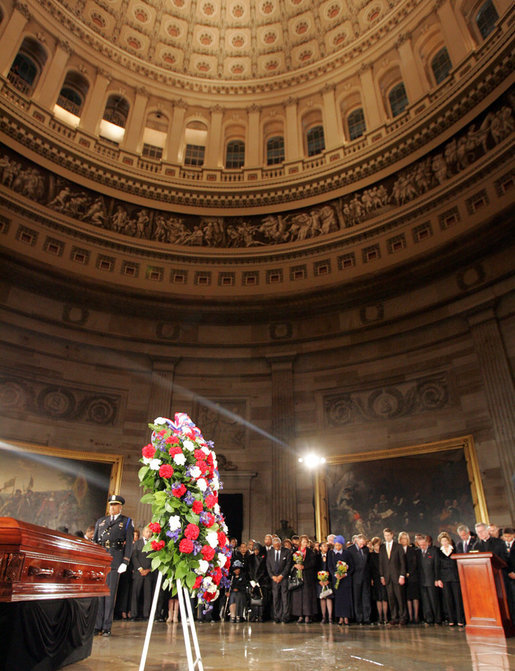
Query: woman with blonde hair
x,y
412,577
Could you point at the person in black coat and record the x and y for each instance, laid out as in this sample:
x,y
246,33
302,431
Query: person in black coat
x,y
509,539
412,577
278,566
431,608
379,594
142,576
487,543
326,603
448,579
304,604
343,591
238,592
467,539
393,569
115,533
361,579
258,576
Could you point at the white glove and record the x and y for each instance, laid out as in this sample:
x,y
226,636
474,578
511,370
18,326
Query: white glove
x,y
122,568
253,583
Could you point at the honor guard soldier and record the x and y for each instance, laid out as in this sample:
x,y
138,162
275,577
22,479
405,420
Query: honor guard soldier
x,y
115,533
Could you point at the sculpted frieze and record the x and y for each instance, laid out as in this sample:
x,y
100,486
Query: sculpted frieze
x,y
149,223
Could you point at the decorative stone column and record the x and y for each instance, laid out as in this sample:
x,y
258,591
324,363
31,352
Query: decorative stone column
x,y
159,405
332,119
454,30
11,37
372,101
253,141
284,459
176,134
136,122
292,141
213,148
499,391
413,74
95,103
49,85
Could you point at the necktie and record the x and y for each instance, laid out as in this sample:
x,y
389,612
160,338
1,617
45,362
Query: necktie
x,y
277,557
465,546
388,549
112,518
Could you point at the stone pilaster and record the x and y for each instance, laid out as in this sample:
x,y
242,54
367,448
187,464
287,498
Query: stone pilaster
x,y
284,458
11,37
176,134
332,119
136,123
214,137
499,391
95,104
253,141
50,84
292,140
372,102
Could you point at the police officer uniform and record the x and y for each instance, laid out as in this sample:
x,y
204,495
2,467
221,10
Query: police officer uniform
x,y
115,533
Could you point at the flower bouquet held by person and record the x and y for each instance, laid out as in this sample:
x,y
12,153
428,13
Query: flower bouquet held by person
x,y
298,559
189,541
323,579
340,572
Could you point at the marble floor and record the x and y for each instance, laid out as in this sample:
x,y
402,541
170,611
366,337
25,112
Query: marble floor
x,y
292,647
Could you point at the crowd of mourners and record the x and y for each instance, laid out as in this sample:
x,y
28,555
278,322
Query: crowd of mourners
x,y
394,580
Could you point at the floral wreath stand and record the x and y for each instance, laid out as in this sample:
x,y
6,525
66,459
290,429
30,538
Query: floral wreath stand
x,y
189,543
188,627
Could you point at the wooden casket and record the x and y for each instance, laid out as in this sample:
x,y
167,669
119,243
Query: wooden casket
x,y
49,588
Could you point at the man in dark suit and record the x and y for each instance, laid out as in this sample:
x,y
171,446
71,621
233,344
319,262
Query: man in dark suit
x,y
487,543
431,608
392,569
509,539
142,576
361,580
278,565
115,533
467,540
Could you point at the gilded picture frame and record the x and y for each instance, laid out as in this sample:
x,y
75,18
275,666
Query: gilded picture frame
x,y
423,488
54,487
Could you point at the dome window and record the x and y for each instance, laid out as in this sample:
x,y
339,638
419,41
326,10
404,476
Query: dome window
x,y
398,99
112,126
486,18
275,150
27,66
315,140
356,124
235,154
441,65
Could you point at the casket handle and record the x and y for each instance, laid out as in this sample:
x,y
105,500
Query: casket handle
x,y
94,575
38,571
70,573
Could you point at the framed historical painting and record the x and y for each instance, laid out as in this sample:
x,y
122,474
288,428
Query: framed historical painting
x,y
56,488
425,488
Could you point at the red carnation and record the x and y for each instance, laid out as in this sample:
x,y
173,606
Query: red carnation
x,y
208,520
179,491
199,455
217,575
166,471
202,465
186,546
198,582
210,500
154,527
175,449
157,545
209,596
228,563
222,539
172,440
192,531
161,433
148,451
207,552
197,507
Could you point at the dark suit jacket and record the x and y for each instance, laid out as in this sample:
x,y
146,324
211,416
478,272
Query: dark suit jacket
x,y
511,559
495,545
459,545
139,558
446,567
427,566
285,563
391,569
361,564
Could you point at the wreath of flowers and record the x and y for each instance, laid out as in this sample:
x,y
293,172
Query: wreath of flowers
x,y
189,541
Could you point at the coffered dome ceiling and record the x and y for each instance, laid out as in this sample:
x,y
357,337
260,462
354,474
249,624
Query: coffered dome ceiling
x,y
231,39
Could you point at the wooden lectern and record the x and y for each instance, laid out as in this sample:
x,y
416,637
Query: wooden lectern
x,y
484,594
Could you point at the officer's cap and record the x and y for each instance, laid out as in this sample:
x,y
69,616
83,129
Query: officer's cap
x,y
116,498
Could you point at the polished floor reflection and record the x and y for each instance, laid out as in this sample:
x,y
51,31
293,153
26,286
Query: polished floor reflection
x,y
293,647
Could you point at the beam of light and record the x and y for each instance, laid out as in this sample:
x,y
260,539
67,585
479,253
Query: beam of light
x,y
312,460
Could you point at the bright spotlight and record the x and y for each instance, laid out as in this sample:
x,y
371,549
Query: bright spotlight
x,y
311,460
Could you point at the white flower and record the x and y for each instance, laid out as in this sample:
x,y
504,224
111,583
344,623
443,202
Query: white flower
x,y
221,560
202,484
153,464
207,582
195,472
174,522
161,420
188,445
216,508
215,483
205,449
179,459
212,538
203,566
